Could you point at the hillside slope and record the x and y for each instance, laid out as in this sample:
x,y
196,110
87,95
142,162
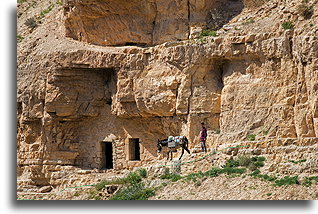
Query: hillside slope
x,y
93,73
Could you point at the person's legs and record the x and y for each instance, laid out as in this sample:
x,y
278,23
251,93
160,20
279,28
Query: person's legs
x,y
203,147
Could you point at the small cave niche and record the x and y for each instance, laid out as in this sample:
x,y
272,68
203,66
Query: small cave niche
x,y
223,13
110,84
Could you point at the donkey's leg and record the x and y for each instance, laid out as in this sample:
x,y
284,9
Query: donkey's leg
x,y
181,153
186,148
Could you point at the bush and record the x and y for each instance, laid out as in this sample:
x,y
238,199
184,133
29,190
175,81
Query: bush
x,y
134,192
287,25
208,33
252,166
142,172
231,164
251,137
19,38
255,172
101,185
244,161
249,21
213,172
229,171
296,162
132,178
287,181
307,181
259,164
194,176
171,176
31,23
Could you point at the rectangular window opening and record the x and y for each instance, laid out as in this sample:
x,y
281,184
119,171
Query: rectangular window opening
x,y
134,149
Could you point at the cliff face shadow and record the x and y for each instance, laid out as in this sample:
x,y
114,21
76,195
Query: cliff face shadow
x,y
223,13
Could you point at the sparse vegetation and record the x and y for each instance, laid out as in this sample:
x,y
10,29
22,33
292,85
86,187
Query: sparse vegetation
x,y
297,162
31,23
21,1
266,177
131,178
286,181
252,163
208,32
251,137
46,11
287,25
142,172
249,21
308,180
217,131
265,132
171,176
133,188
136,191
19,38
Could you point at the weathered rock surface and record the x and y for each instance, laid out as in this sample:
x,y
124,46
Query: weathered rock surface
x,y
254,78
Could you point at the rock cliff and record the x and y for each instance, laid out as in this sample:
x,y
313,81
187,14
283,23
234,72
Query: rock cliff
x,y
123,72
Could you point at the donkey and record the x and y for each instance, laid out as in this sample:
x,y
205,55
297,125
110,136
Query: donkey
x,y
164,143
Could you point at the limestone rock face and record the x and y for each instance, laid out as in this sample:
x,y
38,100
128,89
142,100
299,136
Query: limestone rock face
x,y
146,22
73,97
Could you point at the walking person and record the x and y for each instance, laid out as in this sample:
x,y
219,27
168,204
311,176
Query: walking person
x,y
203,136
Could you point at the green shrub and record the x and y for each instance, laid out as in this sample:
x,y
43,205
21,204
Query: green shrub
x,y
251,137
229,170
287,25
171,176
287,181
244,161
265,177
31,23
208,33
136,191
255,172
217,131
252,166
261,158
297,162
213,172
46,11
19,38
259,163
142,172
132,178
249,21
307,181
194,176
231,164
101,185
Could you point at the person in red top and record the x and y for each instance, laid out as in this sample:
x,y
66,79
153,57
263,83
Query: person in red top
x,y
203,137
